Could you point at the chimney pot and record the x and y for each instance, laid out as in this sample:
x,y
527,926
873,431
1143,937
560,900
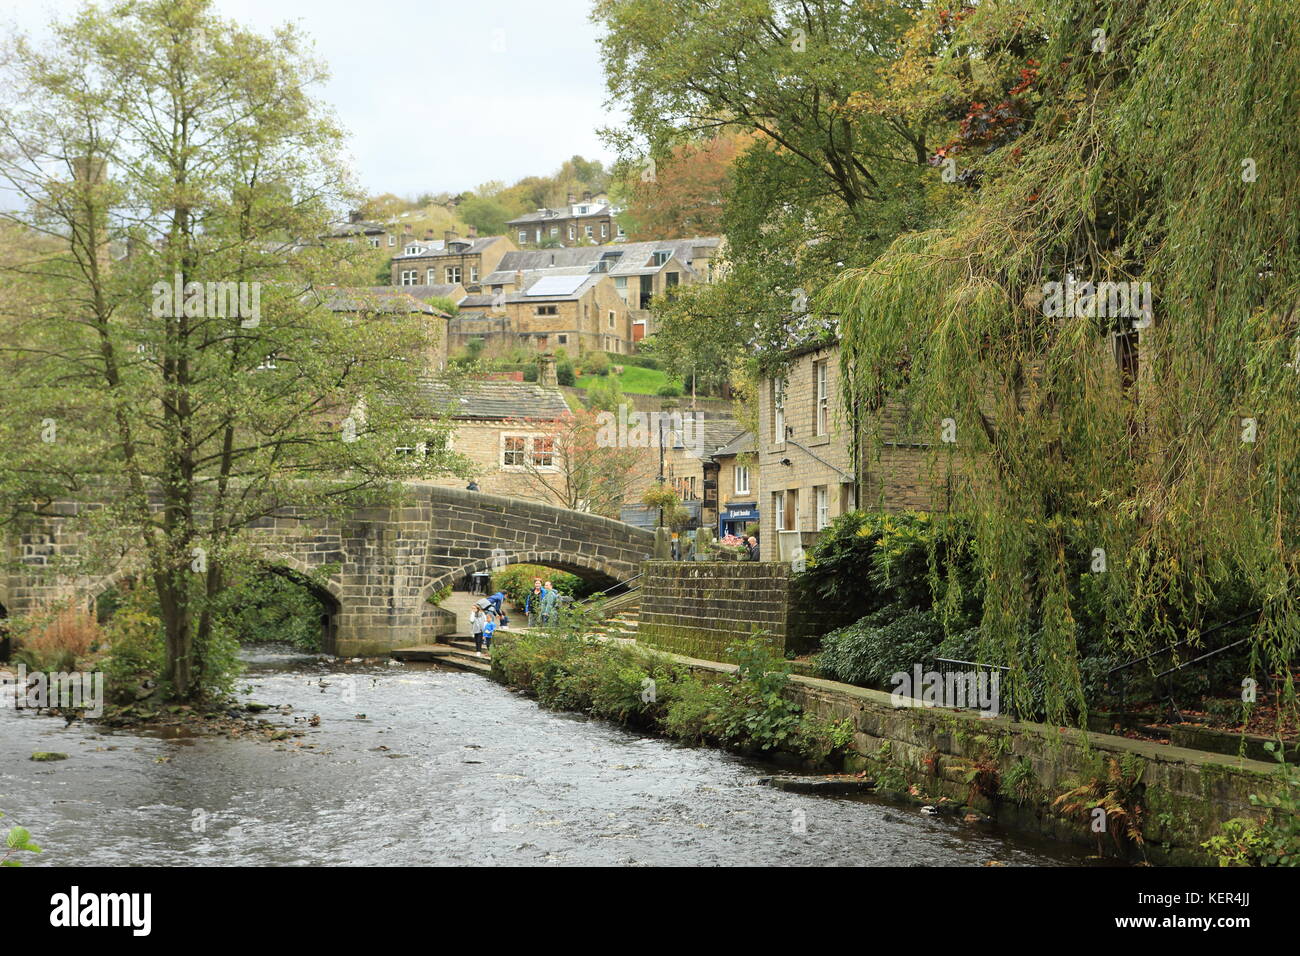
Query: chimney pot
x,y
448,236
354,215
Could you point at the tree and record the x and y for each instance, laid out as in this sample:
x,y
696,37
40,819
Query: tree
x,y
683,196
586,469
1131,461
179,410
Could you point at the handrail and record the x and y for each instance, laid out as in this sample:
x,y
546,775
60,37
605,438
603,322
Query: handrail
x,y
1162,650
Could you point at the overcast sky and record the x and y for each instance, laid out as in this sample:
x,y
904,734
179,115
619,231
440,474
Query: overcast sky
x,y
437,94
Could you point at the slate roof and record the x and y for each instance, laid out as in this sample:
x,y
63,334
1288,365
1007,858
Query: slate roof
x,y
479,400
387,299
364,228
437,247
548,215
633,258
740,445
421,291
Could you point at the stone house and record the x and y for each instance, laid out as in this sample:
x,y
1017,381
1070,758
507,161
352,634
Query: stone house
x,y
504,429
385,300
571,308
732,494
452,260
376,235
589,221
805,463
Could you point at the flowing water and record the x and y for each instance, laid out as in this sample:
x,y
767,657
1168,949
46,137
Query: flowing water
x,y
418,765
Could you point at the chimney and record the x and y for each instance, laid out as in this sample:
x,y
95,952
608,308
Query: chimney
x,y
473,232
448,236
571,199
546,370
586,196
428,234
519,280
354,215
407,232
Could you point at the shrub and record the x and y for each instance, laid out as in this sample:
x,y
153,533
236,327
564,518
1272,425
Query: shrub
x,y
880,645
564,373
136,650
595,363
670,390
56,638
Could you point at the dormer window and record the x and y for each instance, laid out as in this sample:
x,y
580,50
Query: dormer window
x,y
412,250
582,210
661,257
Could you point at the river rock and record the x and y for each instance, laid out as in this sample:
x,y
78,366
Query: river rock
x,y
44,756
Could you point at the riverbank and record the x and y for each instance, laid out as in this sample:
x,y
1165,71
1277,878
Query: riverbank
x,y
1137,800
417,765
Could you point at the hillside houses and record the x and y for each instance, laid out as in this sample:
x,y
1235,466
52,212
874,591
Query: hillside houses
x,y
589,220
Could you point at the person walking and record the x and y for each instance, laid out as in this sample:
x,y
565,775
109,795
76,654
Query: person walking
x,y
477,621
753,548
533,604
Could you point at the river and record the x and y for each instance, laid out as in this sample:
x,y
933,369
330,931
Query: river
x,y
419,765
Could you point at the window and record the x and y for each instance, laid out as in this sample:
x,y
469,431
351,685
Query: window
x,y
823,506
778,510
431,276
537,233
547,310
523,236
611,318
392,240
790,521
543,452
822,391
742,480
582,211
562,338
848,501
778,411
413,250
620,286
514,451
671,279
590,232
618,230
604,230
555,231
661,257
410,277
374,242
519,452
453,275
473,273
573,231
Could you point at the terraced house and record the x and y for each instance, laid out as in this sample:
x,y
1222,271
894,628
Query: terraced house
x,y
587,221
805,464
452,260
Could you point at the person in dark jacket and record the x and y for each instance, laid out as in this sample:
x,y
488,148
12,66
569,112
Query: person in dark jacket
x,y
753,548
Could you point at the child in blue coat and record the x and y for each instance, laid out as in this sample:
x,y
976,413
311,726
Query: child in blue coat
x,y
488,629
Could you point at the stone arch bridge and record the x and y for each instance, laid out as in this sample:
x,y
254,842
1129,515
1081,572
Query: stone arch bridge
x,y
388,560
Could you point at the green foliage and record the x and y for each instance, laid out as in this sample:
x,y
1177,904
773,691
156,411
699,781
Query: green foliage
x,y
1062,448
260,606
17,840
516,580
136,651
1275,841
748,711
669,390
595,363
889,641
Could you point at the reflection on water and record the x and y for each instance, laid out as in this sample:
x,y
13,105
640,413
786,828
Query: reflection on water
x,y
414,765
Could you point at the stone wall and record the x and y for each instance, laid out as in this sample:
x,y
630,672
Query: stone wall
x,y
1185,795
700,608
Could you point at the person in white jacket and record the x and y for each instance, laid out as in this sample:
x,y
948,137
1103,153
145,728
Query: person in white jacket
x,y
477,619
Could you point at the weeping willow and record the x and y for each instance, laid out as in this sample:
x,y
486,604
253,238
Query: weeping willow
x,y
1168,443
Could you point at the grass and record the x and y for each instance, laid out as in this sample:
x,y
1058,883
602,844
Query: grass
x,y
634,380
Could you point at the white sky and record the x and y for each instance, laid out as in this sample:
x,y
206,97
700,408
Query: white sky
x,y
437,94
